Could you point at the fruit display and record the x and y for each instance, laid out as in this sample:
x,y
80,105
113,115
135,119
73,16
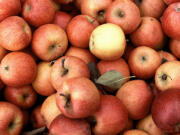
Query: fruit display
x,y
89,67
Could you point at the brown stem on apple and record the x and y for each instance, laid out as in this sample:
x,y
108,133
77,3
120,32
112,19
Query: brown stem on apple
x,y
164,60
178,9
64,70
177,127
41,131
6,68
10,126
143,58
52,63
101,13
164,77
25,96
67,98
52,47
120,13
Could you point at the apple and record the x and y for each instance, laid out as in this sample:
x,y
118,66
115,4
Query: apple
x,y
49,110
24,97
62,125
11,41
78,97
42,83
38,12
124,13
143,62
64,1
135,132
170,21
77,37
166,110
36,118
170,1
18,69
147,124
166,56
11,119
67,67
62,19
81,53
3,52
149,33
137,97
49,42
111,117
151,8
9,8
168,76
174,47
107,42
96,9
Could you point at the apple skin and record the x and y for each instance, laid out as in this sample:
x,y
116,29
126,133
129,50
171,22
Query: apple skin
x,y
137,97
9,8
77,37
38,12
149,33
72,99
49,110
174,47
42,83
18,41
166,56
135,132
62,125
151,8
143,62
170,21
18,69
81,53
113,47
49,42
96,9
3,52
24,97
64,1
147,124
166,110
111,117
62,19
36,118
166,78
68,67
11,118
124,13
170,1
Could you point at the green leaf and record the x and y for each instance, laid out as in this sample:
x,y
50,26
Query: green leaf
x,y
112,79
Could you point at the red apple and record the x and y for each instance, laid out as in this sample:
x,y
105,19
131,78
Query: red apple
x,y
24,97
38,12
151,8
81,53
78,97
174,47
9,8
11,119
149,33
42,83
107,42
124,13
62,125
166,110
135,132
49,110
137,97
68,67
76,36
96,9
11,41
62,19
166,56
3,52
18,69
36,118
111,118
170,21
49,42
143,62
64,1
170,1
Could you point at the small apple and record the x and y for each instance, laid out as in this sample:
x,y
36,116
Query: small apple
x,y
11,41
168,2
135,132
107,42
49,42
174,47
18,69
166,56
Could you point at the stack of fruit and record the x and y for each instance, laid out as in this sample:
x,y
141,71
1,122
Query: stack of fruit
x,y
90,67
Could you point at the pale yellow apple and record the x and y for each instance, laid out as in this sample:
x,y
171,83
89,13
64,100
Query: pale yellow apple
x,y
135,132
107,42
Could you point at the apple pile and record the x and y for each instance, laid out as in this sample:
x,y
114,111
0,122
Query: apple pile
x,y
90,67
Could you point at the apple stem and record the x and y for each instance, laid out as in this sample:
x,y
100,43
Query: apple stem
x,y
101,13
121,13
36,131
178,9
164,60
68,99
6,68
52,63
164,77
65,70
